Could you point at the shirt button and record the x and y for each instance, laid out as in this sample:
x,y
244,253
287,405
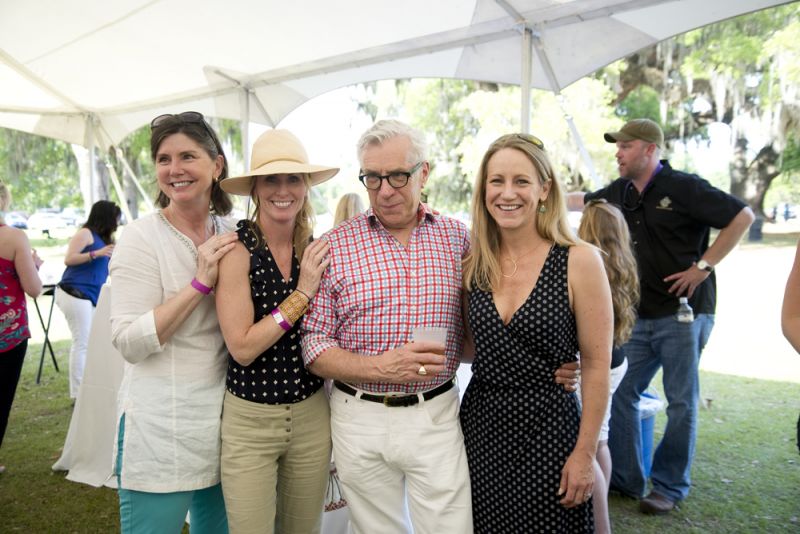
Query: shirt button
x,y
288,419
288,429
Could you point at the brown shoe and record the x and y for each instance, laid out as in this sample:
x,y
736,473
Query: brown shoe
x,y
656,504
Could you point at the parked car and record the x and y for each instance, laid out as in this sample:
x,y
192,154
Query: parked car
x,y
17,219
46,219
73,216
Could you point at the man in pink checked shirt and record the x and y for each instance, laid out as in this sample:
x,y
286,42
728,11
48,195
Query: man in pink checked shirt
x,y
394,407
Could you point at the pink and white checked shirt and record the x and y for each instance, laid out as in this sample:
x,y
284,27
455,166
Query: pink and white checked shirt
x,y
375,292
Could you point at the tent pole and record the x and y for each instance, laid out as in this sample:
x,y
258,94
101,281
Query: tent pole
x,y
245,127
551,76
134,178
92,177
525,85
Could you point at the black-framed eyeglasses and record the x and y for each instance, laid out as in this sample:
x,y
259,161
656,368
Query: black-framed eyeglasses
x,y
187,116
396,179
532,139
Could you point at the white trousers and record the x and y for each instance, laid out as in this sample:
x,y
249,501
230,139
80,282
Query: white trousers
x,y
79,313
389,456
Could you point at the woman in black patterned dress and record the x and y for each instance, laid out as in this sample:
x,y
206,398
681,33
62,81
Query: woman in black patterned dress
x,y
536,297
276,441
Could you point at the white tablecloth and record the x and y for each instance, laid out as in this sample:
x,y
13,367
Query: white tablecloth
x,y
89,447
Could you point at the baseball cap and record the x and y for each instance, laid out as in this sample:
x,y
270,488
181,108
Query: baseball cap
x,y
644,129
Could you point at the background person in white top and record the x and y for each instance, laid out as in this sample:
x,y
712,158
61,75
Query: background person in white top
x,y
164,323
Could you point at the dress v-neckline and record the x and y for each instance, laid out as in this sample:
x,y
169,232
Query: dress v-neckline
x,y
524,302
284,279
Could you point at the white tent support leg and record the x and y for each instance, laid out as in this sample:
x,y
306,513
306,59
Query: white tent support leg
x,y
587,158
134,178
123,202
551,76
245,127
526,65
114,180
91,155
525,85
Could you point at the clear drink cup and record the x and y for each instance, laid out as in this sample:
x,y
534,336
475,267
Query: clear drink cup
x,y
433,334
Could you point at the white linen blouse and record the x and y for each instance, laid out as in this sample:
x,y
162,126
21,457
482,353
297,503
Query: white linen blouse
x,y
171,395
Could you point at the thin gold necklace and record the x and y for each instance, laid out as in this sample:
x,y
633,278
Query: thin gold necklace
x,y
514,262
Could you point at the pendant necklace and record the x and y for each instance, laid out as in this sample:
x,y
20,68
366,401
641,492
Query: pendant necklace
x,y
514,262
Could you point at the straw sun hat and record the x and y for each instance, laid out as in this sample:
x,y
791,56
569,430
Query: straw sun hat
x,y
277,152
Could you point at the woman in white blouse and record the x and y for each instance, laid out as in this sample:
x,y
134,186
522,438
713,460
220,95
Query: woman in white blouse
x,y
164,323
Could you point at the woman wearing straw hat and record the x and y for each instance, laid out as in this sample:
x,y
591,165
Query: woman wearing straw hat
x,y
276,445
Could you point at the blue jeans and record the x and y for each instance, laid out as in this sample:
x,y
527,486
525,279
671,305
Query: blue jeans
x,y
676,347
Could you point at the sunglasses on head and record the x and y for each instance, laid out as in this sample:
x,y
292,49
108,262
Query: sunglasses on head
x,y
187,117
532,139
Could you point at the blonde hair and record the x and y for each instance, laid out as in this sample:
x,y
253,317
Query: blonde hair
x,y
303,223
481,266
349,206
603,225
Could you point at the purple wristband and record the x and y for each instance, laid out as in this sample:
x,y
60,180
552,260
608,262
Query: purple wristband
x,y
202,288
278,316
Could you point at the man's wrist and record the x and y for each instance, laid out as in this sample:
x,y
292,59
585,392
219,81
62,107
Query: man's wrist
x,y
703,265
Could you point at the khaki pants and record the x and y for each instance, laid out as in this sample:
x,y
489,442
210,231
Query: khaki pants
x,y
387,456
275,464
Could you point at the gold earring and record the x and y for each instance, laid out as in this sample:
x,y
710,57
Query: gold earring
x,y
542,207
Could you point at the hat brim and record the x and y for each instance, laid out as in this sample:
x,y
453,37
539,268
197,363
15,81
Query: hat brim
x,y
242,185
613,137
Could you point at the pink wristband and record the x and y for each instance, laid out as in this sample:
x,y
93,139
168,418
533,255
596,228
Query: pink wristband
x,y
91,255
202,288
278,316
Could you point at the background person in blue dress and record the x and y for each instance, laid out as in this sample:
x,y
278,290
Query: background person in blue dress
x,y
87,258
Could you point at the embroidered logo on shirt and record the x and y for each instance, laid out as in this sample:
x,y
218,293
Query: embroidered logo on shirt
x,y
665,204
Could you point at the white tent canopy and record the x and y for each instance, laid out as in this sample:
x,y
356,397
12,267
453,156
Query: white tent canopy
x,y
92,71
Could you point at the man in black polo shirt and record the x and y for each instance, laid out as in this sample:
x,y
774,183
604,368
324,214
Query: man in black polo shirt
x,y
669,214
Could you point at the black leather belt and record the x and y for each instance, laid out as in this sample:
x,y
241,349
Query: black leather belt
x,y
395,401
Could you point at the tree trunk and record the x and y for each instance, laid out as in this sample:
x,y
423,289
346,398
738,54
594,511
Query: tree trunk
x,y
751,182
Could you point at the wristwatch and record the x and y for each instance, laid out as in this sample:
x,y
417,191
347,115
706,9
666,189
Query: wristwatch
x,y
705,266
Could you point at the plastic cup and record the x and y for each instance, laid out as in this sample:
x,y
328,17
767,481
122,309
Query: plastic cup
x,y
431,333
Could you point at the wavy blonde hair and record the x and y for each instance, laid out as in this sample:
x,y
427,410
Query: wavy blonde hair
x,y
603,225
303,223
349,206
481,266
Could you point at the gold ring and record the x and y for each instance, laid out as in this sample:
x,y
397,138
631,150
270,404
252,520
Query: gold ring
x,y
422,371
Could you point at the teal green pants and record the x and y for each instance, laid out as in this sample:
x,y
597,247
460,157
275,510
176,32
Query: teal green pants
x,y
142,512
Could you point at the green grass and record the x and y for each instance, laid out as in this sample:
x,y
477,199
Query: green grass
x,y
746,473
34,498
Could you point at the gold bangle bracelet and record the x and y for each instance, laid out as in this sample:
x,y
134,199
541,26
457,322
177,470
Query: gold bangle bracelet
x,y
293,307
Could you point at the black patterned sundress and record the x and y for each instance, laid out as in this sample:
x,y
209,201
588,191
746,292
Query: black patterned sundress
x,y
519,425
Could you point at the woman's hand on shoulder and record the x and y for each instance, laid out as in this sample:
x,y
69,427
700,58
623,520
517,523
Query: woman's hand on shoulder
x,y
315,260
210,253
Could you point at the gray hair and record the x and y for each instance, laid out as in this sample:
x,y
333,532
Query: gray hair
x,y
384,130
